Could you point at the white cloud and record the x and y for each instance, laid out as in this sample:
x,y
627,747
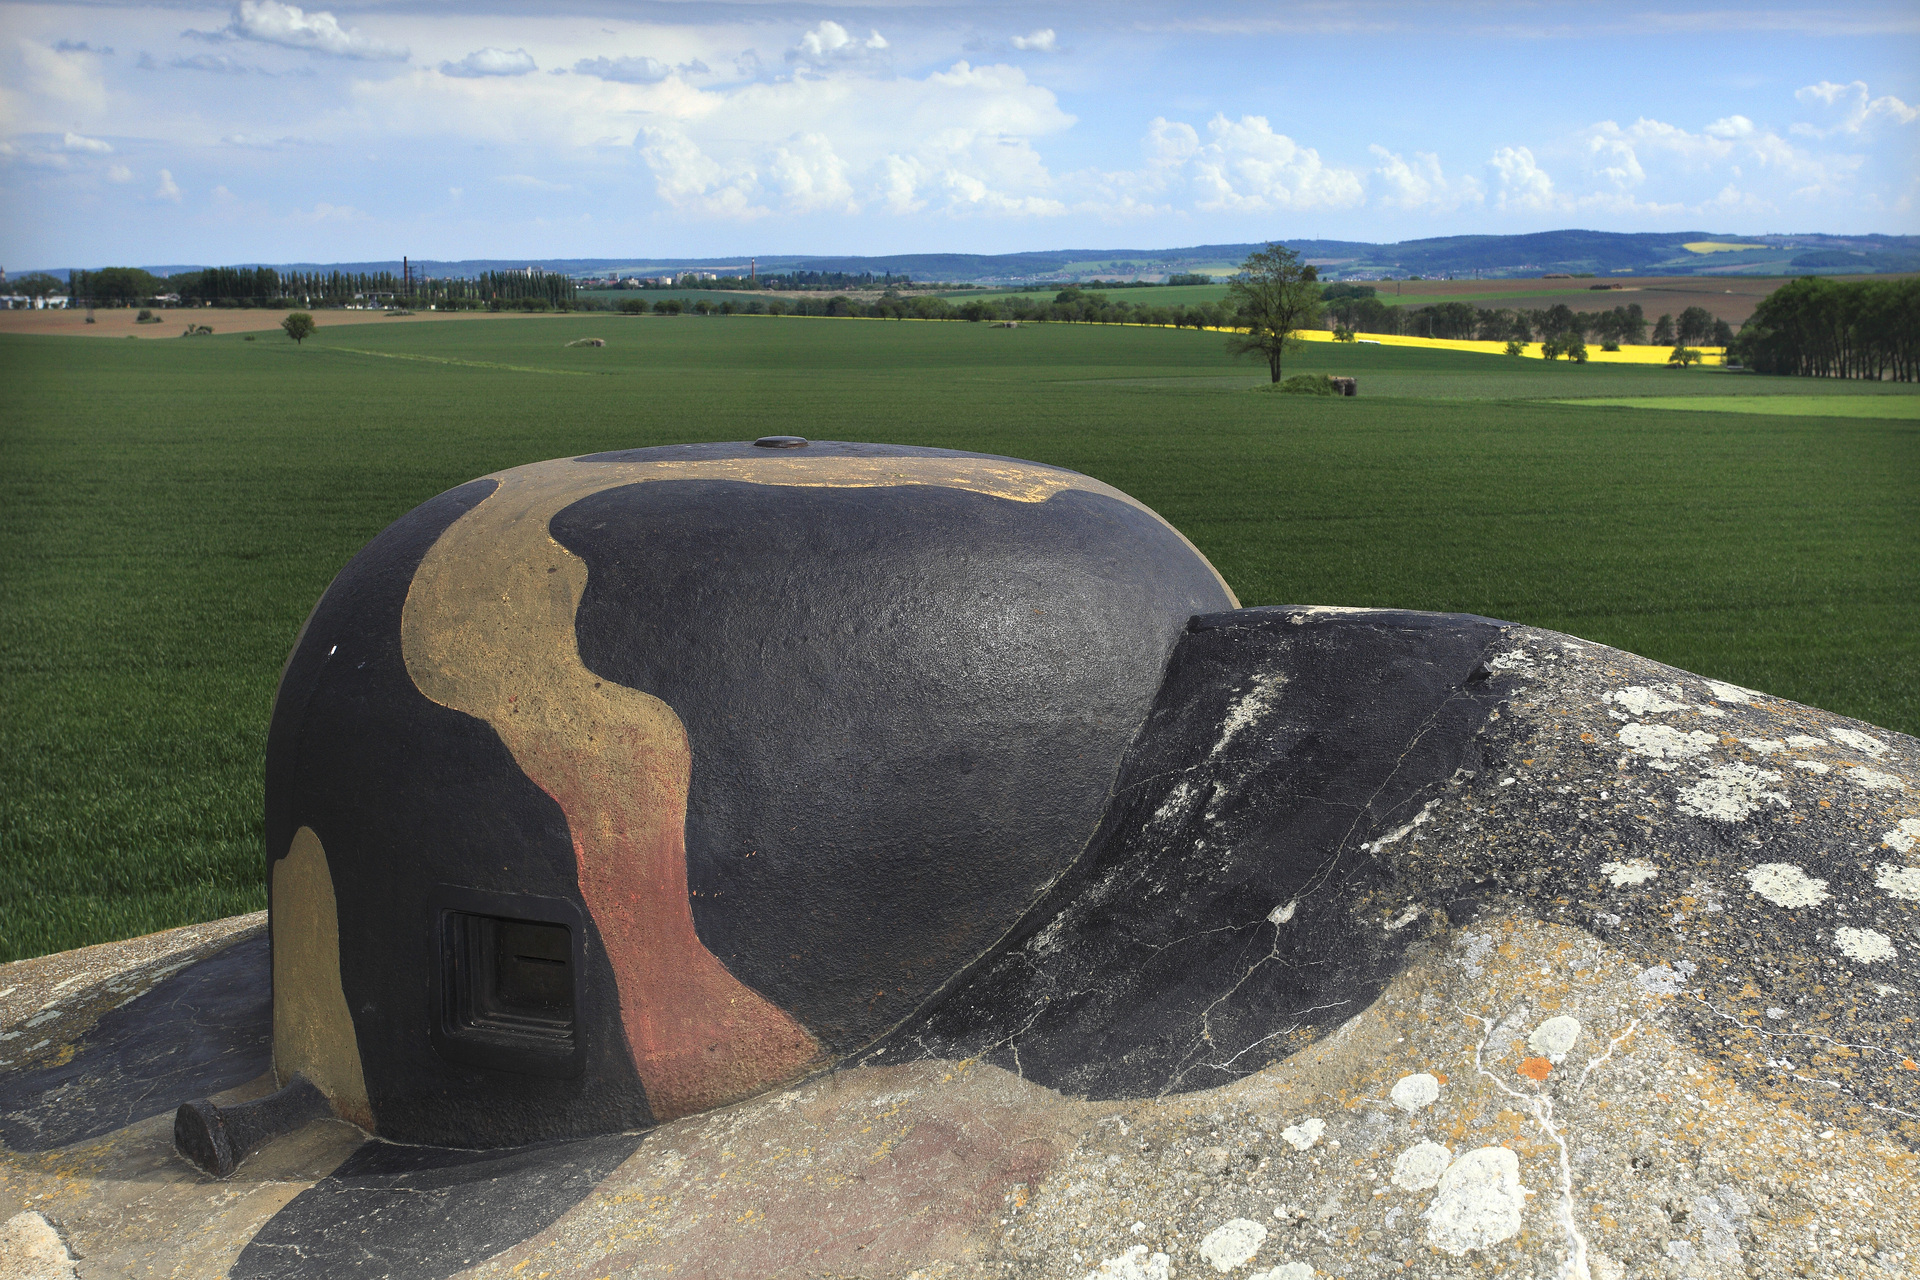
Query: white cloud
x,y
1245,167
1041,41
217,63
168,188
119,173
490,62
1730,127
1523,184
74,142
272,22
831,44
958,142
1420,184
809,175
56,86
640,70
1857,107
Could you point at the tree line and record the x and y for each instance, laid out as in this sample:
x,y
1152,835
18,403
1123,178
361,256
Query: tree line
x,y
266,287
1821,328
1072,305
1357,309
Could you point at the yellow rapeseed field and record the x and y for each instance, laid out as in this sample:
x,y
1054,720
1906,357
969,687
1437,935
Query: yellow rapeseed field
x,y
1625,355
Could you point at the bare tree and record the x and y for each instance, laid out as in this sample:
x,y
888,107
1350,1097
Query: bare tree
x,y
1276,296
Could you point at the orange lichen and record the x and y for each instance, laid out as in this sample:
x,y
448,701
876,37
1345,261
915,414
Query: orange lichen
x,y
1536,1068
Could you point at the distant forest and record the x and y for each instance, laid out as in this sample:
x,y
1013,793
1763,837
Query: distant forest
x,y
1832,329
266,287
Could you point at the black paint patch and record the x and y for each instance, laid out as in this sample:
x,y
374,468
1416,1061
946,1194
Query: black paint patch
x,y
906,707
423,1213
407,795
1168,960
205,1029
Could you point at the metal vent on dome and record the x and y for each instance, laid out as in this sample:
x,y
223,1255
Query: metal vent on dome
x,y
511,967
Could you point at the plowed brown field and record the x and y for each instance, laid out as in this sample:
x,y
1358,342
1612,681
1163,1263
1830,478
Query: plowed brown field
x,y
1729,298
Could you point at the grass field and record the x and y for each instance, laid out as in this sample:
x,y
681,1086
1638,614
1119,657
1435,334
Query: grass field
x,y
173,509
1906,408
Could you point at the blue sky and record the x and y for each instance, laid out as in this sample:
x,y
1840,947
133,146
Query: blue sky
x,y
264,131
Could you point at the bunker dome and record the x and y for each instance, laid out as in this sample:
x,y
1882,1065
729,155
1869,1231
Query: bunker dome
x,y
609,789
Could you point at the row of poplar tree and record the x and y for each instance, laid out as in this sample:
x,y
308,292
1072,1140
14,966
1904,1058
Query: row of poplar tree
x,y
266,287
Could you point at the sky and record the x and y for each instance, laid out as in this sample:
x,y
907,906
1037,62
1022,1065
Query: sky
x,y
262,131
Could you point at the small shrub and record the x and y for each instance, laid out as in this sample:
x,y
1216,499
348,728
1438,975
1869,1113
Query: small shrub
x,y
1307,384
588,342
1683,356
1342,334
1516,348
1609,346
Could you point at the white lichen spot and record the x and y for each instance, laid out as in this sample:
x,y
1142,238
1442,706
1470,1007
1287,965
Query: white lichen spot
x,y
1811,766
1664,979
1858,741
1479,947
1553,1039
1280,915
1256,702
1232,1244
1901,882
1664,742
1286,1271
1632,871
31,1249
1410,1093
1641,701
1775,1012
1177,802
1134,1264
1480,1202
1730,792
1303,1135
1802,742
1873,779
1864,945
1419,1167
1404,919
1785,885
1903,837
1733,693
1765,746
1512,660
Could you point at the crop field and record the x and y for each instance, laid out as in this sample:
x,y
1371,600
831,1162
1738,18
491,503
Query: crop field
x,y
173,509
1729,298
1160,295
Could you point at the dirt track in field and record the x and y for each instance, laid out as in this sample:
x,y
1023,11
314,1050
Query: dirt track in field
x,y
1729,298
119,322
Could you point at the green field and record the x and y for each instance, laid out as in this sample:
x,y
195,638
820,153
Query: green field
x,y
173,509
1906,407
